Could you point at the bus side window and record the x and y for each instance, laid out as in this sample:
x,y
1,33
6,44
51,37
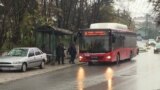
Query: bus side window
x,y
113,38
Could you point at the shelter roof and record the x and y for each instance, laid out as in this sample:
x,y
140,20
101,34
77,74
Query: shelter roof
x,y
56,30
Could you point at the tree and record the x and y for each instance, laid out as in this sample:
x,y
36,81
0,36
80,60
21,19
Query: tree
x,y
12,14
75,14
156,4
19,18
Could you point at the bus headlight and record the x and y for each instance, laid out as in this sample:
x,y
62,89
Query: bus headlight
x,y
80,57
108,57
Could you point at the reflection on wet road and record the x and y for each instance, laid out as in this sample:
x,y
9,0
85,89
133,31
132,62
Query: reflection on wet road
x,y
109,76
80,78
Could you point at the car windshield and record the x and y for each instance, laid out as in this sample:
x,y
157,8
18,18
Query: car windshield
x,y
18,52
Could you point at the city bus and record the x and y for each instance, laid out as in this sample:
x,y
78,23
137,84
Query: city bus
x,y
106,42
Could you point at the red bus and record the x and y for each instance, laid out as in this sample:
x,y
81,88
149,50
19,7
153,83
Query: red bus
x,y
109,42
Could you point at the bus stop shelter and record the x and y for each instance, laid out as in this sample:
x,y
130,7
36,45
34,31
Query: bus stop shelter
x,y
47,38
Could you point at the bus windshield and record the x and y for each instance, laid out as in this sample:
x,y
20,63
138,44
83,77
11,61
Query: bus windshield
x,y
94,44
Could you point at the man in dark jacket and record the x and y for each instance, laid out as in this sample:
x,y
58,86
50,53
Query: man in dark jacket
x,y
72,51
60,53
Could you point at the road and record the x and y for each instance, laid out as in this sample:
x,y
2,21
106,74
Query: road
x,y
142,73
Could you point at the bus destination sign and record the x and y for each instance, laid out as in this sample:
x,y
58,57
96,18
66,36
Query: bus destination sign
x,y
94,33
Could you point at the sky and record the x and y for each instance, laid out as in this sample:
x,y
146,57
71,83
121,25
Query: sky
x,y
137,8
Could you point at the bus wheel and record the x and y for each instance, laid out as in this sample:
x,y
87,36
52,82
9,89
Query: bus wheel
x,y
137,51
90,63
118,59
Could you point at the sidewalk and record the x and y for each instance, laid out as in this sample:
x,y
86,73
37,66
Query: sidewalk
x,y
7,76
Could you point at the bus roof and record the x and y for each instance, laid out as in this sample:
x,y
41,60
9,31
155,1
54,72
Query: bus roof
x,y
114,26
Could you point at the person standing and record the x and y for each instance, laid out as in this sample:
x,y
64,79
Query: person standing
x,y
60,53
72,51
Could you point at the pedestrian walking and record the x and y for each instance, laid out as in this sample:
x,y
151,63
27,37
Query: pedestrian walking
x,y
60,53
72,51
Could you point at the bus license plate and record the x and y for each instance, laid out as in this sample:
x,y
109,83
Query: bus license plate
x,y
94,60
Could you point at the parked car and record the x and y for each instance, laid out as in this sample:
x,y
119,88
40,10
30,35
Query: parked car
x,y
151,42
157,48
23,58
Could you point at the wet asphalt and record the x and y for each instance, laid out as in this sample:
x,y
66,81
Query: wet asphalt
x,y
142,73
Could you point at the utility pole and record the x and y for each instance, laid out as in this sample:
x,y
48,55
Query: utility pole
x,y
146,27
118,15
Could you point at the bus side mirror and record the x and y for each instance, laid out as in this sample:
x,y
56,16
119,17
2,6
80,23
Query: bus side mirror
x,y
113,39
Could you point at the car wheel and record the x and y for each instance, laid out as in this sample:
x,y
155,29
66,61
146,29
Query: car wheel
x,y
42,65
24,67
118,59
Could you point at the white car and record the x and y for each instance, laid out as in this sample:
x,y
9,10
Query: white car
x,y
23,58
151,42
